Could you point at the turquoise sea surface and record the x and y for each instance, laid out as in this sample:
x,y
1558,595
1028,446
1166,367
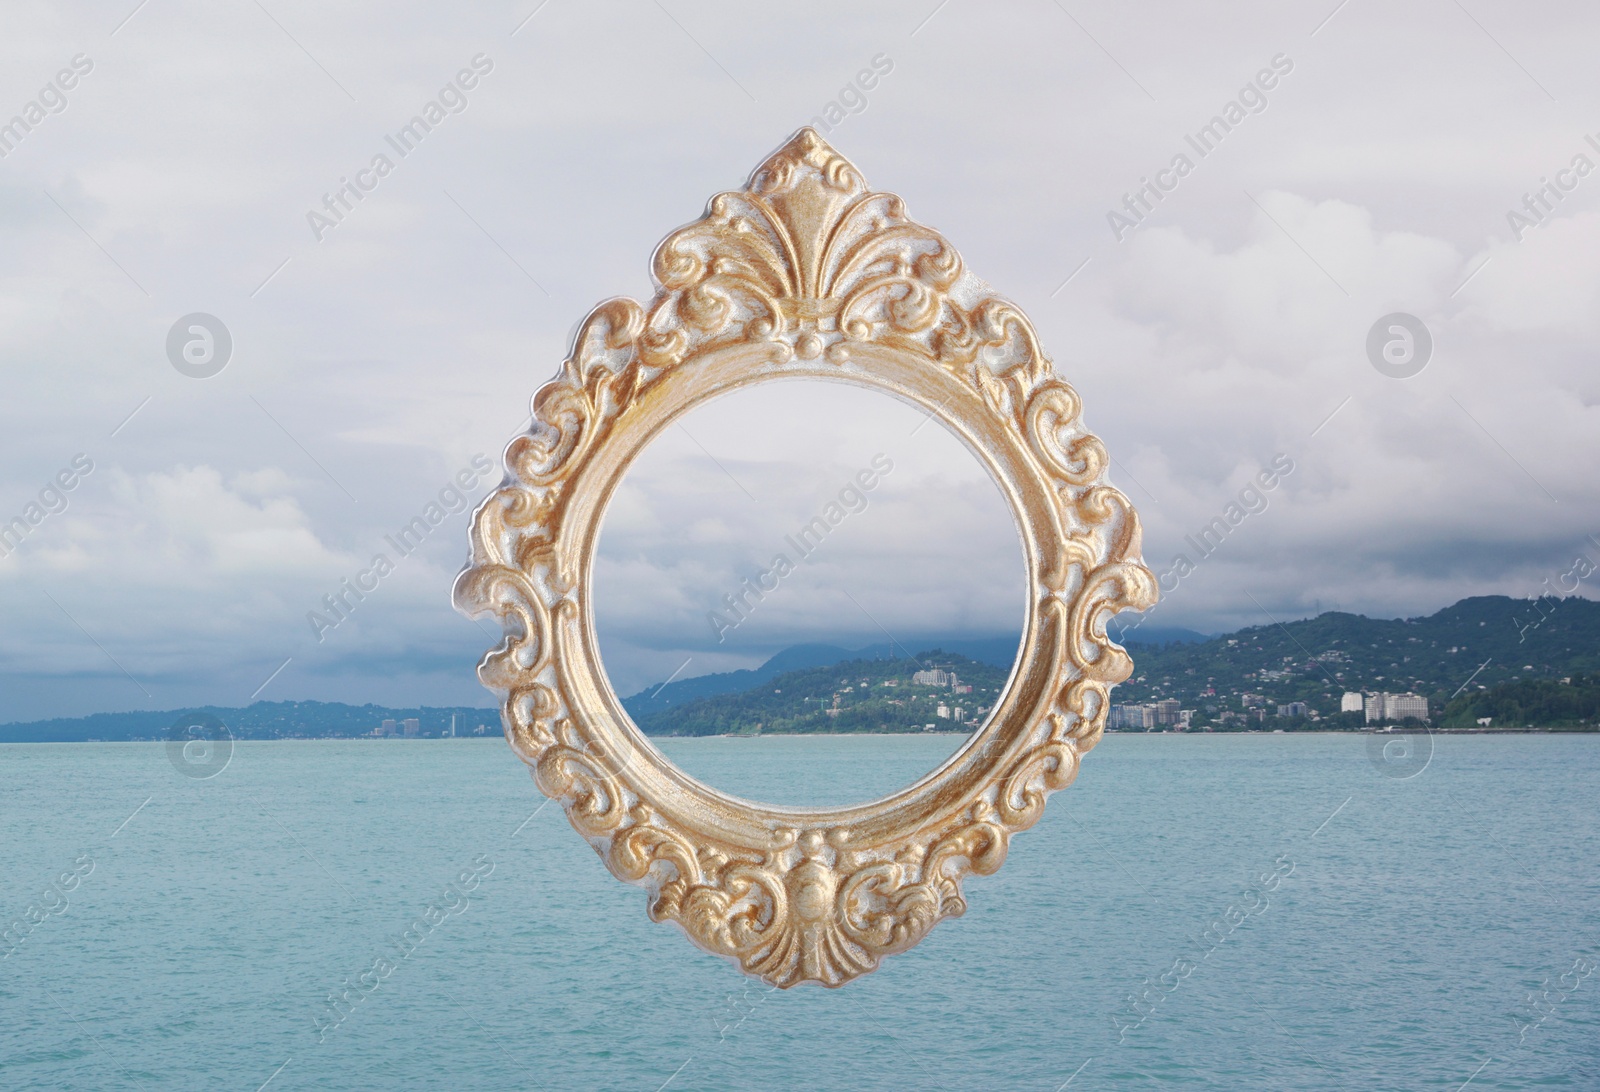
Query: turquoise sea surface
x,y
1419,932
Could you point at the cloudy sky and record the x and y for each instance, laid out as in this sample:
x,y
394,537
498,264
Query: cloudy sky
x,y
175,150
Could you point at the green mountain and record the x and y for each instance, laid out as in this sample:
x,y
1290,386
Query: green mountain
x,y
998,651
1490,656
1476,647
1532,703
1473,646
876,695
263,720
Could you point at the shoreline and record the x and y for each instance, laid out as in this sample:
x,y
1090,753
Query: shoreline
x,y
1242,732
1557,731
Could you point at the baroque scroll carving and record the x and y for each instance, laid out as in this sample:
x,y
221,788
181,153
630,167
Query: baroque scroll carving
x,y
814,274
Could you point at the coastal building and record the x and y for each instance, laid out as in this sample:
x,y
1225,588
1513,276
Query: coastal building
x,y
1386,706
1404,706
943,712
1157,714
1352,702
1293,709
1131,716
386,728
411,727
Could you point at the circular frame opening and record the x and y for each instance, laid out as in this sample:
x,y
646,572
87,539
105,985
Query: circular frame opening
x,y
872,627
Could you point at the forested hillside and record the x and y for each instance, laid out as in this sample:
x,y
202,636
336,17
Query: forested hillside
x,y
854,696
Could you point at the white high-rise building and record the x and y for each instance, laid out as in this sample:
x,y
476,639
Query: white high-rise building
x,y
1351,702
1386,706
1401,706
1132,716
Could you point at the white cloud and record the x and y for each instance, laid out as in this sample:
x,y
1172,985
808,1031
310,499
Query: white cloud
x,y
1547,283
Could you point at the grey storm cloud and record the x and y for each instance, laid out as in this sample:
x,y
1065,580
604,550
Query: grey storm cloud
x,y
167,160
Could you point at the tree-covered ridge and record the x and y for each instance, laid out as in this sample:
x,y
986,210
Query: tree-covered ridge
x,y
261,720
1472,646
1533,703
854,696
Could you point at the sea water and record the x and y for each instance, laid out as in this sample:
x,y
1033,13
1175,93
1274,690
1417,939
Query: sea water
x,y
1262,911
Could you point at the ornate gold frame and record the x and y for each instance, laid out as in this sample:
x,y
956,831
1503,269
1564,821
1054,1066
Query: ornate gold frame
x,y
805,272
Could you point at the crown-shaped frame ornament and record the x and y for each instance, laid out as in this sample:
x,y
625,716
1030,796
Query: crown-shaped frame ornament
x,y
803,273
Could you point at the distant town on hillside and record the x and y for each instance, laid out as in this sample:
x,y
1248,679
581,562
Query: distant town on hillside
x,y
930,691
1490,663
1486,662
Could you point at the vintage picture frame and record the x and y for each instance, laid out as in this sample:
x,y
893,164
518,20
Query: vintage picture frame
x,y
803,273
